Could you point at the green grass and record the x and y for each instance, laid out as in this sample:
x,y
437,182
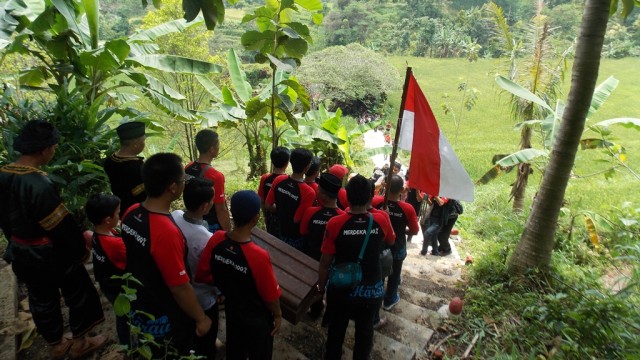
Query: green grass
x,y
488,128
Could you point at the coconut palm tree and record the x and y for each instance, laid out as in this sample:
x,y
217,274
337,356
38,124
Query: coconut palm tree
x,y
536,244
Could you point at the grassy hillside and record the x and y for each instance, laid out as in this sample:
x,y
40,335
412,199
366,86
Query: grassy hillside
x,y
488,129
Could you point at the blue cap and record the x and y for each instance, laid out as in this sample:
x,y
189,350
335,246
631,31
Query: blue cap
x,y
245,204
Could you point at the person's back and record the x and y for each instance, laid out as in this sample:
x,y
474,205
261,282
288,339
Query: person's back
x,y
345,237
279,160
156,256
289,197
243,272
123,166
46,247
208,145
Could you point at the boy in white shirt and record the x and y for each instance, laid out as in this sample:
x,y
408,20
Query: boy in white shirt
x,y
197,196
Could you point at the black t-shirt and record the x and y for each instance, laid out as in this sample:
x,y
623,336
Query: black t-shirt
x,y
292,198
314,222
125,179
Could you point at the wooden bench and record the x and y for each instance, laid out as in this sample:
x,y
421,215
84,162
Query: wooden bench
x,y
296,272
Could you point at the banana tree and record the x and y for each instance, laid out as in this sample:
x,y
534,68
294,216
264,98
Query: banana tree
x,y
547,131
91,82
327,135
241,107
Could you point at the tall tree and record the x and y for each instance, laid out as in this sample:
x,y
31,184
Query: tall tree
x,y
536,244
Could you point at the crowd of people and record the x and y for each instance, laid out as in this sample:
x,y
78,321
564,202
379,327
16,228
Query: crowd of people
x,y
186,262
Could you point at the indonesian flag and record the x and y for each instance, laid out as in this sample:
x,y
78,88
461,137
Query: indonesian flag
x,y
434,167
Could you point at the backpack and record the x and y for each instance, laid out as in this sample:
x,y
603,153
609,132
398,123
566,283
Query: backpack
x,y
455,208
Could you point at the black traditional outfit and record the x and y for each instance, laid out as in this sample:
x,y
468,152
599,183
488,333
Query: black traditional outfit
x,y
48,250
125,179
124,171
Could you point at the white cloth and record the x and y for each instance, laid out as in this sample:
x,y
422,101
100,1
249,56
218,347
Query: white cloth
x,y
197,237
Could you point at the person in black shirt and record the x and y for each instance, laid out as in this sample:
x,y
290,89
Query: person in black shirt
x,y
47,246
123,166
279,161
314,222
289,197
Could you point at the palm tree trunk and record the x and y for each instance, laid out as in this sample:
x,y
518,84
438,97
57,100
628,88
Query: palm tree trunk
x,y
537,241
519,188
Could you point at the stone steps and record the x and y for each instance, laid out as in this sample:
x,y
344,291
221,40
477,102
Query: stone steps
x,y
428,284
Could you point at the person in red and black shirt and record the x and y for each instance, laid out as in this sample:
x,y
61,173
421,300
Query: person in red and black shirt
x,y
311,176
242,271
109,254
279,161
289,197
208,145
402,216
344,237
156,256
314,222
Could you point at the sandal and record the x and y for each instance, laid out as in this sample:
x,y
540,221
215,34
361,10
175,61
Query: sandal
x,y
59,351
90,344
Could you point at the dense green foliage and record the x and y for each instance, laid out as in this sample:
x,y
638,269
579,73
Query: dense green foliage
x,y
357,85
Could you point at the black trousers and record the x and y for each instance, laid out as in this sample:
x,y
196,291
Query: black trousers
x,y
443,234
206,345
343,307
45,278
248,337
111,292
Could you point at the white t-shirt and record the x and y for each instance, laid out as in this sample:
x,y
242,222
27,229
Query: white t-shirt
x,y
197,237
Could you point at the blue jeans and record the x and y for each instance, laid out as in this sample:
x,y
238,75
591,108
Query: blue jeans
x,y
393,282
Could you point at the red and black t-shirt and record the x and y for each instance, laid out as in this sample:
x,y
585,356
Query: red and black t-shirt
x,y
343,203
314,221
270,220
156,256
292,198
207,171
402,215
242,272
109,258
345,234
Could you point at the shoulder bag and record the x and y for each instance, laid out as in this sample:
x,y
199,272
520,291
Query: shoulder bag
x,y
348,275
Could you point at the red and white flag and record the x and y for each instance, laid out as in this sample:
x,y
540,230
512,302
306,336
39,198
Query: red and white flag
x,y
434,167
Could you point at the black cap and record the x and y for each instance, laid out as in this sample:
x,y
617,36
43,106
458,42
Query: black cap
x,y
36,136
130,130
245,204
330,183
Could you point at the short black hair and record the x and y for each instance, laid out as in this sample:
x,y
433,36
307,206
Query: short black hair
x,y
396,184
36,136
205,139
314,167
300,158
100,206
197,191
280,156
397,164
160,171
358,190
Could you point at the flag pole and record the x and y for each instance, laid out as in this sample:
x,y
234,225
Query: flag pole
x,y
394,152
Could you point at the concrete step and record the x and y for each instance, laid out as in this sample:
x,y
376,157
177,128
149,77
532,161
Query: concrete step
x,y
384,347
417,315
414,335
421,299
